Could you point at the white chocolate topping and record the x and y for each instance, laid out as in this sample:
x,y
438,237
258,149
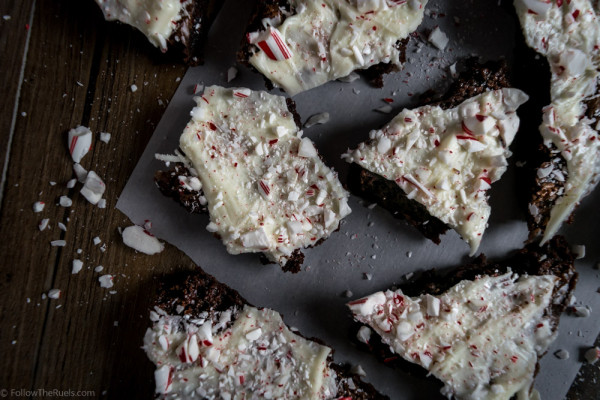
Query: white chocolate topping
x,y
447,159
237,354
323,40
481,338
569,36
154,18
267,189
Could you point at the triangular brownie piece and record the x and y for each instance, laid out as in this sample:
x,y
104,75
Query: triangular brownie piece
x,y
446,159
207,342
481,330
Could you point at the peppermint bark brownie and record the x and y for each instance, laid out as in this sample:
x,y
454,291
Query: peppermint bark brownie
x,y
434,164
567,33
207,342
301,44
265,187
182,24
481,329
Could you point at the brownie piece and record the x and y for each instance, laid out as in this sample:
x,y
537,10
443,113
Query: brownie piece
x,y
476,79
554,258
292,200
274,12
199,296
167,24
560,68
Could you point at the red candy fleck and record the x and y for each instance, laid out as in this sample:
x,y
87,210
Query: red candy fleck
x,y
466,130
212,126
575,14
514,359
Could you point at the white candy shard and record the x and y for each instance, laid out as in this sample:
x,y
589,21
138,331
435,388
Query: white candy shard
x,y
105,137
80,142
93,188
133,88
54,293
307,149
80,172
438,38
106,281
64,201
38,206
138,239
58,243
317,119
43,224
231,73
592,355
77,266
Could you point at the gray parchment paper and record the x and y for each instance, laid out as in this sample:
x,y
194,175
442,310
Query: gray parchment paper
x,y
370,241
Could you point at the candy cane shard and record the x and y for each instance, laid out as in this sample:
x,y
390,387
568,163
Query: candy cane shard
x,y
80,142
446,160
568,34
256,172
319,41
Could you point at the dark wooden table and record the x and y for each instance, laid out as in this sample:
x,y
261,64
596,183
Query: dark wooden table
x,y
61,66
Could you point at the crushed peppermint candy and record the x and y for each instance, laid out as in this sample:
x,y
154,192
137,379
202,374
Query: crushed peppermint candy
x,y
38,206
231,73
71,183
317,119
139,239
106,281
133,88
80,172
561,354
97,240
62,227
77,265
58,243
579,251
438,38
80,142
105,137
99,268
54,293
93,188
592,355
43,224
65,201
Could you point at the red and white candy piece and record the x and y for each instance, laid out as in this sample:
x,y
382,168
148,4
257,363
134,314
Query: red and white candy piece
x,y
264,189
138,239
80,142
163,377
538,7
592,355
272,43
38,206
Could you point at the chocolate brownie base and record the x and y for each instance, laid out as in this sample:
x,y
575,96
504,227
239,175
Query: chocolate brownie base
x,y
200,292
476,79
277,9
553,258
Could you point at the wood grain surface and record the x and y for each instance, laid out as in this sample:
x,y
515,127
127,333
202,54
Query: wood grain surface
x,y
62,65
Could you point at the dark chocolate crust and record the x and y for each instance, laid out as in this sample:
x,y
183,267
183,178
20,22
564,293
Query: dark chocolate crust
x,y
200,292
475,80
278,9
553,258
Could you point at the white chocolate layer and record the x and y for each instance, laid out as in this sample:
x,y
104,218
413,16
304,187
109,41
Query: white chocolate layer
x,y
236,355
267,189
481,338
154,18
569,36
323,40
447,159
